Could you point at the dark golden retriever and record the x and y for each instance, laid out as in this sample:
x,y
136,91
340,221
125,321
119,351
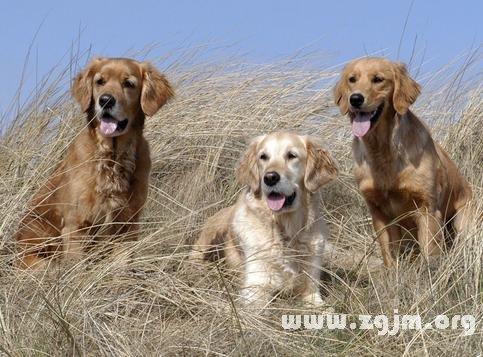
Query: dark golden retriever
x,y
103,179
410,184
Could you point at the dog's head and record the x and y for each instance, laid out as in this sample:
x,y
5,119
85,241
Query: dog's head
x,y
371,87
282,167
119,92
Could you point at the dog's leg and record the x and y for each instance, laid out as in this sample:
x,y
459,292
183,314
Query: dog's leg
x,y
463,215
257,290
308,290
121,238
71,244
198,251
395,238
430,233
208,241
37,244
29,258
381,224
233,256
460,220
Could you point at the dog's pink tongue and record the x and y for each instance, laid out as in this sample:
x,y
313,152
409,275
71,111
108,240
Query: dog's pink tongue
x,y
275,202
108,126
361,124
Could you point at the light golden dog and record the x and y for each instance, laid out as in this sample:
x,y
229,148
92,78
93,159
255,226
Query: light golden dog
x,y
103,179
274,231
410,184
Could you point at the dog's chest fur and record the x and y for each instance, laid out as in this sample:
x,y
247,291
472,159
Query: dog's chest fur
x,y
262,234
114,170
395,174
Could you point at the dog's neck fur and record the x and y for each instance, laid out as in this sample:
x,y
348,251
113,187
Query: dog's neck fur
x,y
396,141
393,134
285,221
377,143
378,146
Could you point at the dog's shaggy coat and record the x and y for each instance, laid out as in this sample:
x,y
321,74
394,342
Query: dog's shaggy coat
x,y
101,184
275,231
410,184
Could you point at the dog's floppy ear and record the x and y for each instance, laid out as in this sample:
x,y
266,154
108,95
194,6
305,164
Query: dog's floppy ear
x,y
320,168
247,172
340,96
156,90
406,89
82,86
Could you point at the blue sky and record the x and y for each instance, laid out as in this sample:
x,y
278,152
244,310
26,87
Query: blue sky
x,y
261,30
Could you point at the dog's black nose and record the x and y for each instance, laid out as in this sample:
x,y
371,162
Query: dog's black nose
x,y
271,178
107,101
356,100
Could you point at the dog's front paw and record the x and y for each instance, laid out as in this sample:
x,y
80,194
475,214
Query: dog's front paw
x,y
313,299
255,298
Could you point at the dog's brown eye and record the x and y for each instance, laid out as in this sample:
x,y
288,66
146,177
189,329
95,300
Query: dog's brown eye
x,y
291,156
352,79
100,82
128,84
263,157
377,79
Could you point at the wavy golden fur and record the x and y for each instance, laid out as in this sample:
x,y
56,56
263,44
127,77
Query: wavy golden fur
x,y
411,186
101,184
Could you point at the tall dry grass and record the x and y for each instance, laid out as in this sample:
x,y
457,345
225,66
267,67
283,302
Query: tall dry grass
x,y
162,304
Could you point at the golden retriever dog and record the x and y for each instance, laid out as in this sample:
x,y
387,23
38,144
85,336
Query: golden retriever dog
x,y
411,186
274,231
102,182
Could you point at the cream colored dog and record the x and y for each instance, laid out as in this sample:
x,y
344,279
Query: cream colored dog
x,y
274,230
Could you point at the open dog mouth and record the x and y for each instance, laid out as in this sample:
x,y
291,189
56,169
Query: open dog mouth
x,y
276,200
110,126
362,121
